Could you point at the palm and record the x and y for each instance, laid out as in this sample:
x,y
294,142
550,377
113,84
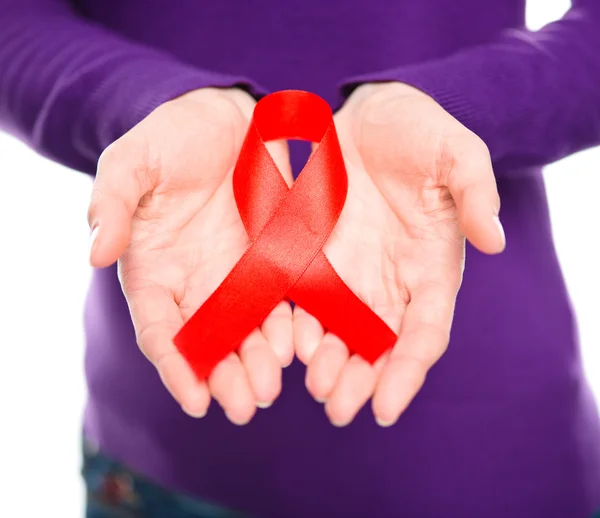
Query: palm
x,y
399,244
394,247
186,235
185,241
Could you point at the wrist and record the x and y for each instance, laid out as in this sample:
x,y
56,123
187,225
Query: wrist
x,y
213,96
381,101
385,90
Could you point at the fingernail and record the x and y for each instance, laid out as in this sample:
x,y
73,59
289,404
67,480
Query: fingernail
x,y
197,415
339,424
264,404
384,424
236,422
500,230
93,238
320,400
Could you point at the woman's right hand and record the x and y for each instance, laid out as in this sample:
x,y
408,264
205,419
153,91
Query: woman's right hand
x,y
163,206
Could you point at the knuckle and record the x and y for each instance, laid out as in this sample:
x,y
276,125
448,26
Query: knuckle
x,y
477,153
144,343
466,145
462,159
480,151
92,209
109,156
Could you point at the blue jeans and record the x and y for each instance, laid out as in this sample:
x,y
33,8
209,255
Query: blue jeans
x,y
113,491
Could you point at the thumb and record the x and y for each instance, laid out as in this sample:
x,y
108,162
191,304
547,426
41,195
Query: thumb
x,y
472,184
115,197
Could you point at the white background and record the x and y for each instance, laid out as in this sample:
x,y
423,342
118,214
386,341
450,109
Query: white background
x,y
43,269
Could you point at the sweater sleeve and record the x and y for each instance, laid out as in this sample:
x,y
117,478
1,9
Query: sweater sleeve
x,y
533,97
69,88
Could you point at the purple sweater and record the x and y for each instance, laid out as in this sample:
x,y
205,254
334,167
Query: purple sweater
x,y
505,426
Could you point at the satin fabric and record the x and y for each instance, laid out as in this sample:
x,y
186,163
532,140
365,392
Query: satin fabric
x,y
287,228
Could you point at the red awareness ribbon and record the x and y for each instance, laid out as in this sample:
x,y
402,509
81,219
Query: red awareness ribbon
x,y
287,228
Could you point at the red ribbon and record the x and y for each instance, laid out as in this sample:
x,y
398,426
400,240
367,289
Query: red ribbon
x,y
287,228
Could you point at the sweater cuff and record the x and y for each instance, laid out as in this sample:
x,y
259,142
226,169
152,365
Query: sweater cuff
x,y
142,86
112,97
181,81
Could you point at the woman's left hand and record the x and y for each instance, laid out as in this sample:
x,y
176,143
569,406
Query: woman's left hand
x,y
419,182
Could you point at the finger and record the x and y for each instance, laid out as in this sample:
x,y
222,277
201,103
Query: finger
x,y
472,184
423,338
229,385
182,384
117,191
157,320
280,152
308,333
263,368
325,367
355,386
279,333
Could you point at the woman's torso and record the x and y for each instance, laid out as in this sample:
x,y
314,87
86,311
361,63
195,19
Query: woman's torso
x,y
504,426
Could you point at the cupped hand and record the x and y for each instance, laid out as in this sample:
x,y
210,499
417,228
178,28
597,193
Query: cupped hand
x,y
419,183
163,205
